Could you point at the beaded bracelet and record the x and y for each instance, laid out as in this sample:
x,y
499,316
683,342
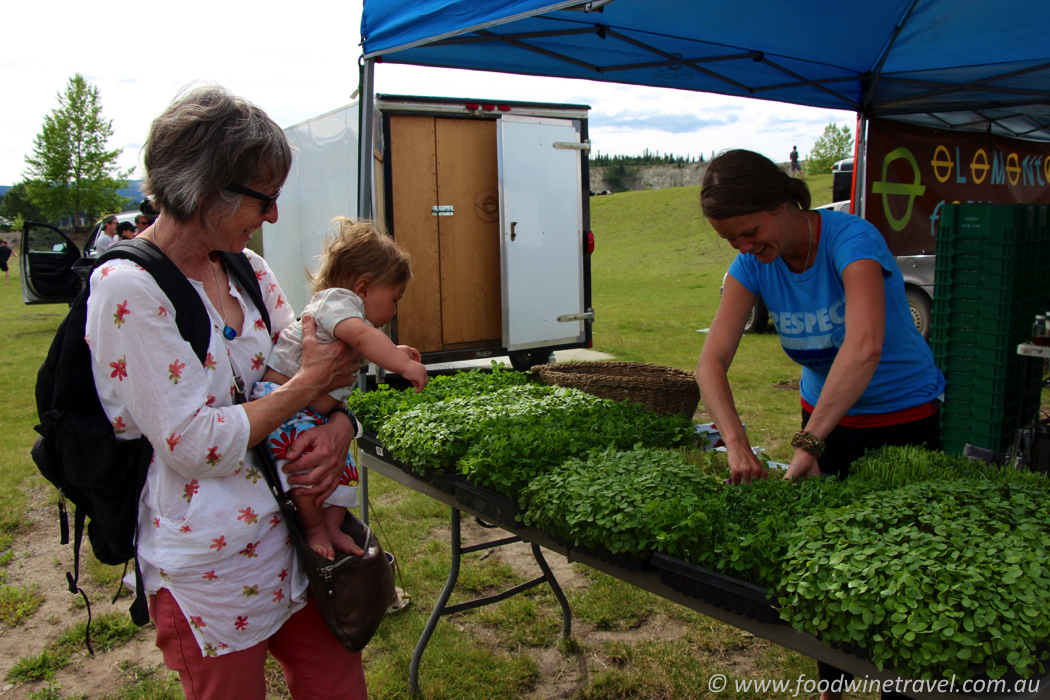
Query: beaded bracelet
x,y
805,440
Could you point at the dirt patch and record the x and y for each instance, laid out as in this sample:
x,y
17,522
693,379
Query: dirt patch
x,y
41,560
560,675
791,385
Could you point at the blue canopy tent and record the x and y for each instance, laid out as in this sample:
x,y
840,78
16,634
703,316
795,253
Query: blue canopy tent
x,y
971,65
961,64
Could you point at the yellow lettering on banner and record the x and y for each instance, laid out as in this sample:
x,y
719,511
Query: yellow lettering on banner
x,y
979,166
1046,168
937,164
1013,168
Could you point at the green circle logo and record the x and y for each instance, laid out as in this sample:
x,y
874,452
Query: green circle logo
x,y
887,189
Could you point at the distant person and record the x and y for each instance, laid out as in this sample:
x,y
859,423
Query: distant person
x,y
126,231
796,169
146,210
5,255
107,235
142,223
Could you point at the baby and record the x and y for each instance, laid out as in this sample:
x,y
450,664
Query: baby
x,y
362,276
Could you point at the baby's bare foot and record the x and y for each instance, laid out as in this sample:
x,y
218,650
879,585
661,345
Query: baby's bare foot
x,y
317,540
344,543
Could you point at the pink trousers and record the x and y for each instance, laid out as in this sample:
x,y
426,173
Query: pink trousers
x,y
316,667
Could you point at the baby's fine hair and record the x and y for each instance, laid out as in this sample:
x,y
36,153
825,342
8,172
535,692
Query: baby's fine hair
x,y
357,250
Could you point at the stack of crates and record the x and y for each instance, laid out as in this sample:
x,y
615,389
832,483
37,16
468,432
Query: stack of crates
x,y
992,278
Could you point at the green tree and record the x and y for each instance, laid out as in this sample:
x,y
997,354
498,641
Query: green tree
x,y
71,172
16,204
833,145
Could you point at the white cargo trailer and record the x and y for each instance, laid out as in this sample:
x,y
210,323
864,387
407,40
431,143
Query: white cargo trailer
x,y
489,199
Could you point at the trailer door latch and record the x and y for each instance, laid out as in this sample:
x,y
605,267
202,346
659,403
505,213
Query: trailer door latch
x,y
573,145
569,318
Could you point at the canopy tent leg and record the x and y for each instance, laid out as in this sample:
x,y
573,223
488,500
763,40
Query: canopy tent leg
x,y
366,135
859,165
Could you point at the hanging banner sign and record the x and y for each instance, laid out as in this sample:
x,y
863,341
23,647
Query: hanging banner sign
x,y
913,171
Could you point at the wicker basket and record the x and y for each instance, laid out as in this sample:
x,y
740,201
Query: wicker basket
x,y
665,390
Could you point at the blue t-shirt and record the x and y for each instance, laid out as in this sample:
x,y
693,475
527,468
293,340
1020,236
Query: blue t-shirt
x,y
809,312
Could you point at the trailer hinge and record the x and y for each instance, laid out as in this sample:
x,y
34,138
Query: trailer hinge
x,y
572,145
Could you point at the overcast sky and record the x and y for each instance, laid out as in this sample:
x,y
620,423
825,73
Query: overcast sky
x,y
299,60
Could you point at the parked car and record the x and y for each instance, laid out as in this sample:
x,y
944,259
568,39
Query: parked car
x,y
50,261
842,181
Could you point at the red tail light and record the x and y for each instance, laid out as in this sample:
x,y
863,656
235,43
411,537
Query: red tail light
x,y
590,241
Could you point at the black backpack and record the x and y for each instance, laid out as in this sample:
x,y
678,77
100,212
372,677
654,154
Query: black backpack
x,y
78,451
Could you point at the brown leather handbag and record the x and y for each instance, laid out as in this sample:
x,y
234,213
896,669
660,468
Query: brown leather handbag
x,y
353,593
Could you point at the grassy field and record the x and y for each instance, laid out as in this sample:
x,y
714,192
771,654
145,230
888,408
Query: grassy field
x,y
657,269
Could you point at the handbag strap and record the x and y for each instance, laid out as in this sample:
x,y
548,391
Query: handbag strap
x,y
269,467
320,579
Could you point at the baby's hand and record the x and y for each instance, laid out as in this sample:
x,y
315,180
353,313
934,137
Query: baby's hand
x,y
417,374
412,353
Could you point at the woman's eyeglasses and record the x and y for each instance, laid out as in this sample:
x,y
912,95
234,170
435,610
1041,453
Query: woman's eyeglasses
x,y
268,200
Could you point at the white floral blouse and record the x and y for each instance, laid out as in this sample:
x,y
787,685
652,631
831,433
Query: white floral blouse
x,y
209,529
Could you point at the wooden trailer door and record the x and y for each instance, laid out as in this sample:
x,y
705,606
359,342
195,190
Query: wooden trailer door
x,y
445,214
467,181
541,213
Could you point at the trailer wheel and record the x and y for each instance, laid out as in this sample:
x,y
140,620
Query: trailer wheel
x,y
524,360
758,318
921,313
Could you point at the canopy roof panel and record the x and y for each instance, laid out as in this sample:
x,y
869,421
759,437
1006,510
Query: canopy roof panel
x,y
969,64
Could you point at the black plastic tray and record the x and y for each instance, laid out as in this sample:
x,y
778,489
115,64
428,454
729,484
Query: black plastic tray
x,y
482,500
625,561
369,444
726,592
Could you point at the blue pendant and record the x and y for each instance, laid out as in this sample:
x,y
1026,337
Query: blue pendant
x,y
228,333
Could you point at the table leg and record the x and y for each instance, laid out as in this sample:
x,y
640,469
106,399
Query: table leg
x,y
566,613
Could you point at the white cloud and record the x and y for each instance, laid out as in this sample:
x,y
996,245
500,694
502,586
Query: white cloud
x,y
299,61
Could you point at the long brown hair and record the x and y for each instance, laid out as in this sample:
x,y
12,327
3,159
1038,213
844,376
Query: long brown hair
x,y
740,182
358,250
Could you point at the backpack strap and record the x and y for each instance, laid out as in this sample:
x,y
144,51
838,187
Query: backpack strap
x,y
190,315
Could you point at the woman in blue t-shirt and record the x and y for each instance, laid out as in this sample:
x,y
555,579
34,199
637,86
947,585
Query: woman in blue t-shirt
x,y
836,297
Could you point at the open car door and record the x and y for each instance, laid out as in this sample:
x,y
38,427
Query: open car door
x,y
46,263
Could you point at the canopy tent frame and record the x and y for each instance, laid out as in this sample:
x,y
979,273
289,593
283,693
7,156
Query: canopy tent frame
x,y
1005,96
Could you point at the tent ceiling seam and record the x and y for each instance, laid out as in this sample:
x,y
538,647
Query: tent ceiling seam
x,y
853,105
673,62
642,45
948,89
551,54
494,23
487,36
876,72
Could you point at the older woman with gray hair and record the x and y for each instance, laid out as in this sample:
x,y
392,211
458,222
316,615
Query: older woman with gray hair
x,y
223,581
